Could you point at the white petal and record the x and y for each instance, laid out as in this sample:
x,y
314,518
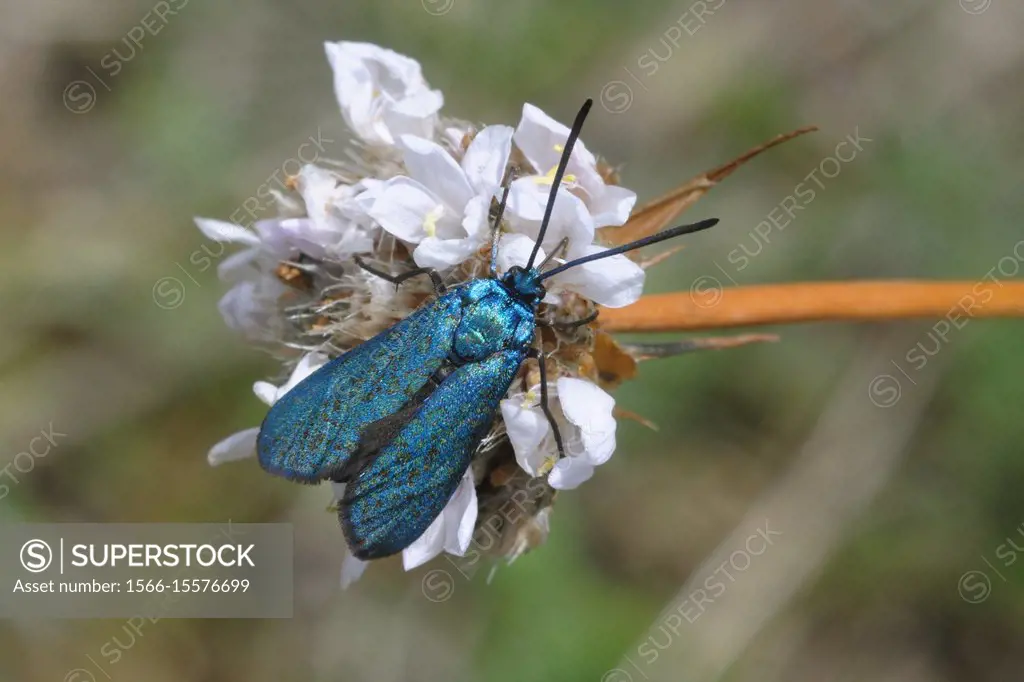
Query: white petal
x,y
372,85
590,409
514,249
236,446
309,363
485,160
454,137
239,266
611,204
320,189
336,221
354,241
615,281
304,234
444,253
569,473
527,200
351,569
220,231
460,516
402,207
434,168
341,242
274,238
426,546
475,222
527,427
366,192
541,139
266,392
243,309
353,88
414,115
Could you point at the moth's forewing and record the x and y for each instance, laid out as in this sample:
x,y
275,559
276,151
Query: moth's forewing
x,y
407,484
311,433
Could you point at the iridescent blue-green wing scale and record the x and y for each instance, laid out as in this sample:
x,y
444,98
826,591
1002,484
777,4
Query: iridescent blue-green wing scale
x,y
310,433
400,492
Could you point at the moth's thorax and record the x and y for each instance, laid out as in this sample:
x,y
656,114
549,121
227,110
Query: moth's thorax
x,y
493,319
525,285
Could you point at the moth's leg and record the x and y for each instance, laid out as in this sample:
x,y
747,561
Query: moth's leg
x,y
539,355
569,325
557,252
435,278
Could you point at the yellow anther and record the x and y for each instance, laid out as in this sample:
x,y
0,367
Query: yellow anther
x,y
529,398
548,465
430,220
549,177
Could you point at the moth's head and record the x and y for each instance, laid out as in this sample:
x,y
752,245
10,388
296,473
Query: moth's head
x,y
525,284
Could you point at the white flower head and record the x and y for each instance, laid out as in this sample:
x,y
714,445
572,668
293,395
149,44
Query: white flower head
x,y
382,94
584,414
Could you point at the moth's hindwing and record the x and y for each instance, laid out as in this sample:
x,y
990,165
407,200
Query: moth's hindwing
x,y
311,432
400,492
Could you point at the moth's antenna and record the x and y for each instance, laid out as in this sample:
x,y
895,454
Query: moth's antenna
x,y
556,182
653,239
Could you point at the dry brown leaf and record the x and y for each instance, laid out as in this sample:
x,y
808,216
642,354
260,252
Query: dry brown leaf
x,y
614,365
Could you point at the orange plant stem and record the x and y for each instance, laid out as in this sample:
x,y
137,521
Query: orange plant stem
x,y
817,301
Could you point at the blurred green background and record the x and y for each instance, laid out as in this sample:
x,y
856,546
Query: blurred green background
x,y
884,484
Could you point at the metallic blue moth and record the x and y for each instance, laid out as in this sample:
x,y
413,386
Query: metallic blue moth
x,y
399,417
